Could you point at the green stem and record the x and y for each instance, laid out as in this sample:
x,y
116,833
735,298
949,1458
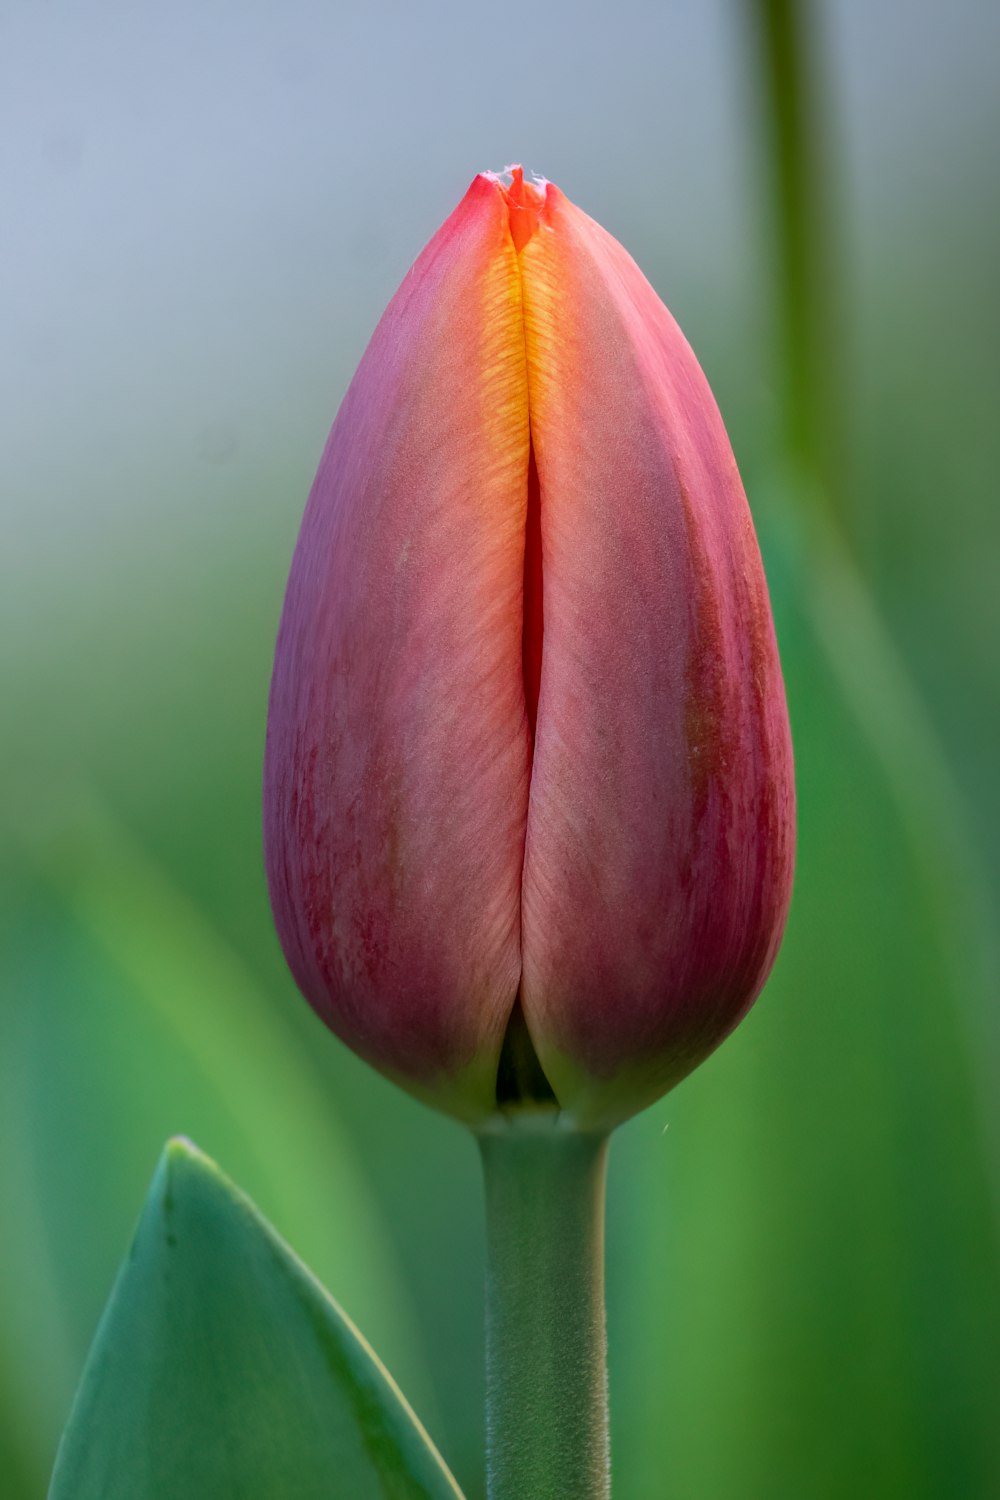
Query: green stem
x,y
546,1349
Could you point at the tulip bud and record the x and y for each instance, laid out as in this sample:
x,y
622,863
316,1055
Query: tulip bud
x,y
529,808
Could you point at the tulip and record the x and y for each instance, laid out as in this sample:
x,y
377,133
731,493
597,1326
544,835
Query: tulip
x,y
529,808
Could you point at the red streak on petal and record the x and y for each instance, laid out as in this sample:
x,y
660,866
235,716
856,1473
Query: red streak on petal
x,y
711,712
531,641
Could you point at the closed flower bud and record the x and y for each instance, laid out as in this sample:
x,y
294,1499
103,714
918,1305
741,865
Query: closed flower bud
x,y
529,808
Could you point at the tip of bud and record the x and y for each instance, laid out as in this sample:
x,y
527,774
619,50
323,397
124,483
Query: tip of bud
x,y
525,201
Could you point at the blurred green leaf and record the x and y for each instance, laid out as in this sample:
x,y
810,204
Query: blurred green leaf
x,y
222,1369
134,1020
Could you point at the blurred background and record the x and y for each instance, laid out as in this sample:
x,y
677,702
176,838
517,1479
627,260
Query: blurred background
x,y
205,209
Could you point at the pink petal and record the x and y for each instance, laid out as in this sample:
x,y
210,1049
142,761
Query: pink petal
x,y
661,821
398,749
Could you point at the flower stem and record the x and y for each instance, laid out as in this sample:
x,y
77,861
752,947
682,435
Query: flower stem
x,y
546,1347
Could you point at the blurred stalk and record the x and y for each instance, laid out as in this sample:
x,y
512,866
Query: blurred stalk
x,y
873,675
811,357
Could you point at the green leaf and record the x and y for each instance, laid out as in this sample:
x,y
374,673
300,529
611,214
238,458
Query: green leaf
x,y
131,1019
222,1368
